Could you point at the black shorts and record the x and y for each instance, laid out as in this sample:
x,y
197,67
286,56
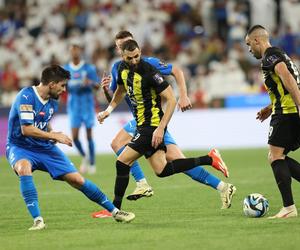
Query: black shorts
x,y
285,132
141,142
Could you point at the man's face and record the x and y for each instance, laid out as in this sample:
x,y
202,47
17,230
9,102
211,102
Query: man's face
x,y
253,46
75,52
56,89
132,58
119,43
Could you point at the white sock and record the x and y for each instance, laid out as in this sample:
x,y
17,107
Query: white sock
x,y
142,181
115,211
221,186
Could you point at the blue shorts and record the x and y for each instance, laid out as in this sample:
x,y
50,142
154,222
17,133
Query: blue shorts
x,y
87,118
130,128
52,160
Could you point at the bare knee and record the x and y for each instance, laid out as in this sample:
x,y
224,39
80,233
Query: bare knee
x,y
115,145
76,180
23,167
273,157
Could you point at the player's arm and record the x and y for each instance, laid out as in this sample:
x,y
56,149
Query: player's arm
x,y
184,102
32,131
264,113
170,101
105,82
289,82
116,100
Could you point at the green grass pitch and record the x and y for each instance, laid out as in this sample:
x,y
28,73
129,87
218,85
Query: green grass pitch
x,y
182,214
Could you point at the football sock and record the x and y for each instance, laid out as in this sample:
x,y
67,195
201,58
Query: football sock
x,y
94,194
135,170
92,151
121,183
179,165
30,195
79,147
200,174
294,167
283,178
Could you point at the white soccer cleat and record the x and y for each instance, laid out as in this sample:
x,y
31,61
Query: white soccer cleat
x,y
38,224
141,190
286,212
122,216
92,169
227,194
84,166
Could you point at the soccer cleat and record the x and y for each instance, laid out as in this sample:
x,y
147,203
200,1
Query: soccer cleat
x,y
102,214
38,224
122,216
217,162
142,190
227,194
284,213
92,169
84,166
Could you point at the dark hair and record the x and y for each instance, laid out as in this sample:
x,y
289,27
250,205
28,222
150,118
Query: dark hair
x,y
123,34
54,73
255,27
129,45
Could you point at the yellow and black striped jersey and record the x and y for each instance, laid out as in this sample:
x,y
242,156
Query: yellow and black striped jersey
x,y
281,99
143,84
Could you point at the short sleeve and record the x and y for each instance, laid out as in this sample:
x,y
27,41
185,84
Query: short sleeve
x,y
25,108
158,82
271,59
163,67
114,77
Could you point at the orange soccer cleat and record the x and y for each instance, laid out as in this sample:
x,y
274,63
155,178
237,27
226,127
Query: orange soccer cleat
x,y
102,214
217,162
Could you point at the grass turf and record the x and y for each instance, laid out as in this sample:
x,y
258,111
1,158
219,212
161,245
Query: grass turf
x,y
181,214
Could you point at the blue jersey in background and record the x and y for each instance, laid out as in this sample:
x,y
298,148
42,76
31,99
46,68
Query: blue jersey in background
x,y
80,105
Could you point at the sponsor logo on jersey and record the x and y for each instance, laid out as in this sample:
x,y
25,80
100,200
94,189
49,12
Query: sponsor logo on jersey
x,y
158,78
42,113
26,107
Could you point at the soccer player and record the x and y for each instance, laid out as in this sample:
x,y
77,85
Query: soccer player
x,y
31,145
145,87
282,80
80,105
124,136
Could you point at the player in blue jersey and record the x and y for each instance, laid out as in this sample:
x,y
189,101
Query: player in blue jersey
x,y
122,138
31,145
80,105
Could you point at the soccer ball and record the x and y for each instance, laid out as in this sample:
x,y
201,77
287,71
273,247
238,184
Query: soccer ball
x,y
255,205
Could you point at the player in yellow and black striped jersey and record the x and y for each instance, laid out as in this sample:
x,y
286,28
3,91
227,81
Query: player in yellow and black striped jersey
x,y
145,87
282,81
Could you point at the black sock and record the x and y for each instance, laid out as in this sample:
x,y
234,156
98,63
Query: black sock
x,y
121,183
294,167
178,166
283,178
203,160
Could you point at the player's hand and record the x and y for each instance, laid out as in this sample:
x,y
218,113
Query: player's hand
x,y
61,138
105,82
264,113
157,137
102,116
184,103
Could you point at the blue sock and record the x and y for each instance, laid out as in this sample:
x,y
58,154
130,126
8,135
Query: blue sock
x,y
92,151
30,195
79,147
94,194
135,170
201,175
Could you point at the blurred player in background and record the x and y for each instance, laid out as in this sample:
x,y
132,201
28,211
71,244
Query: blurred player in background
x,y
80,105
145,87
282,80
31,145
124,136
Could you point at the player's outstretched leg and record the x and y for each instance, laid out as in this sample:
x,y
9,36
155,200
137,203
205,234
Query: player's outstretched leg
x,y
285,212
91,167
143,189
226,190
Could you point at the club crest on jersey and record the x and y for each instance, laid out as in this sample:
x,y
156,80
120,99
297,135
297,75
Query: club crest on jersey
x,y
163,64
158,78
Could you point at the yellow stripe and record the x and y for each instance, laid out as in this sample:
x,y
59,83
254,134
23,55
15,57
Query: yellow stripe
x,y
155,119
124,75
137,91
286,101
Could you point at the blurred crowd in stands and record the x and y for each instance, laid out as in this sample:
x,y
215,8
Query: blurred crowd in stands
x,y
204,37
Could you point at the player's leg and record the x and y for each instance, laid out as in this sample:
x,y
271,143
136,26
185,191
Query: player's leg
x,y
84,163
91,144
283,179
201,175
123,137
294,167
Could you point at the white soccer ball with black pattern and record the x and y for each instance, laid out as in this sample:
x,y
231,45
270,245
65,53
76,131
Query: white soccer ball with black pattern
x,y
255,205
